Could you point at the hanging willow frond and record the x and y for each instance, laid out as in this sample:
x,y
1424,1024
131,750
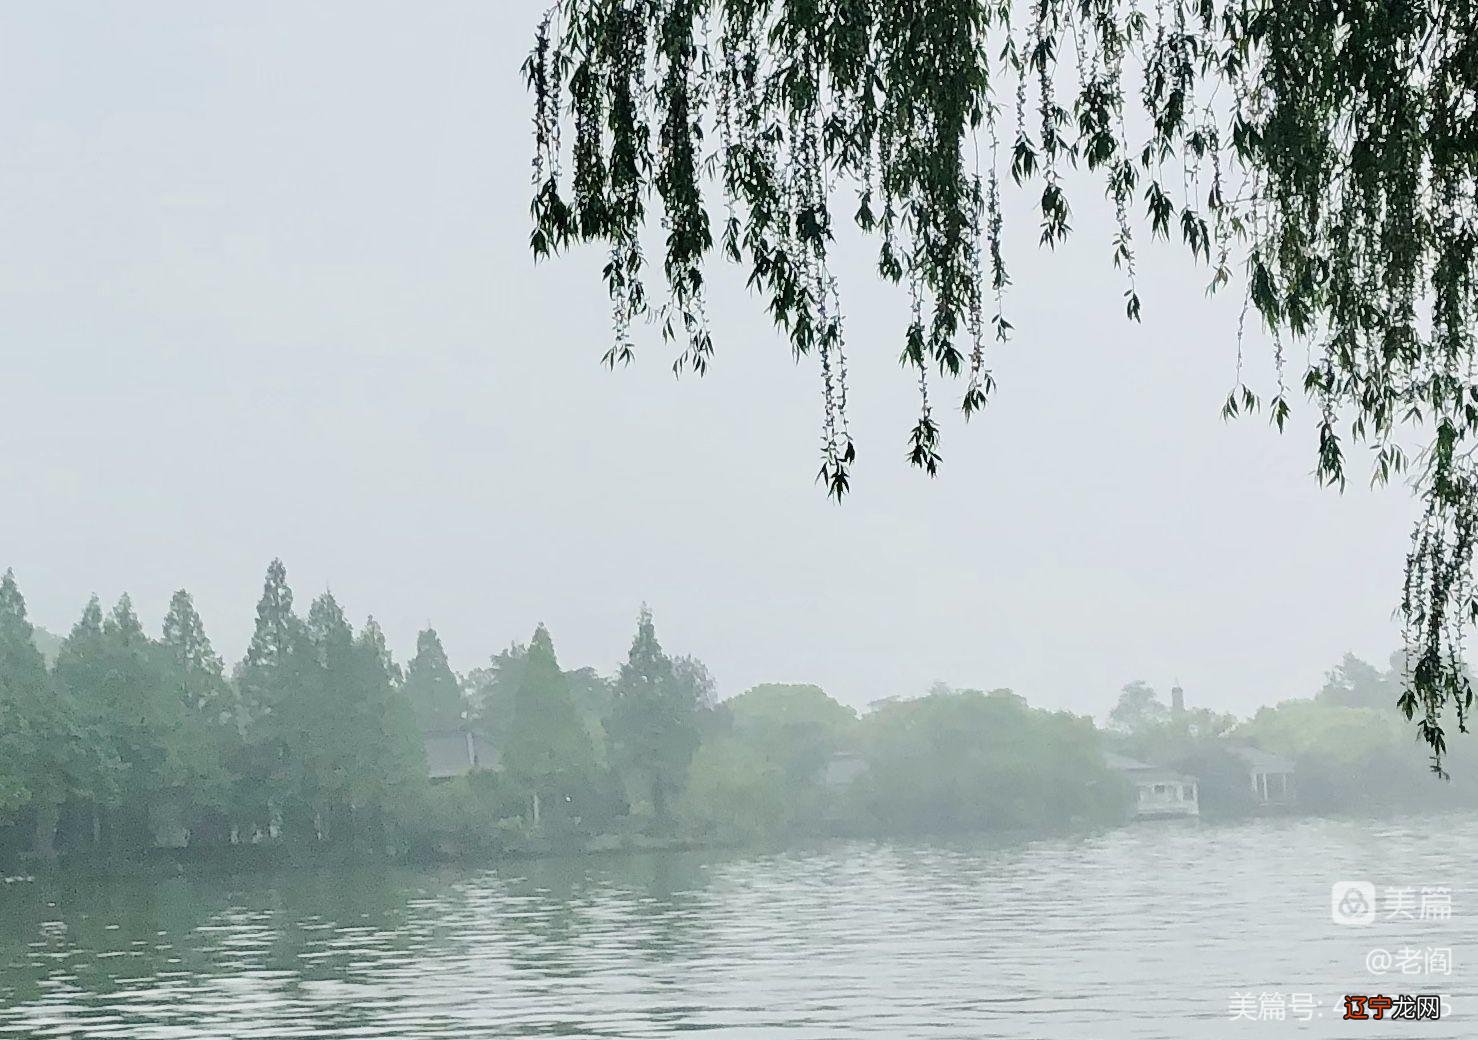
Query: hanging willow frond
x,y
1333,145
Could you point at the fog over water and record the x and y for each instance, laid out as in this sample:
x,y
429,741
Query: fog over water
x,y
579,709
1078,939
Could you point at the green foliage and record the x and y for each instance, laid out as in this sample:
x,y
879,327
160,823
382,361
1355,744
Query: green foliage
x,y
317,743
26,735
46,642
492,690
432,687
330,751
152,720
548,752
1223,789
388,760
1297,728
759,770
653,724
1143,727
796,726
736,792
1349,744
1326,149
318,722
81,675
277,662
1354,684
477,813
206,735
976,761
353,752
195,665
592,695
1354,757
1138,708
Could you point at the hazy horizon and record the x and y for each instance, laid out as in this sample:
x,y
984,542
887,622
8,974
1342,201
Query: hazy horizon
x,y
254,303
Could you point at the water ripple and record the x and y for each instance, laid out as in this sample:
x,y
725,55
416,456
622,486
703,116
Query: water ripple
x,y
1145,933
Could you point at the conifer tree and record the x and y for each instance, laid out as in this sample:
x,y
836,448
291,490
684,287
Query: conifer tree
x,y
266,679
392,762
275,641
653,724
432,686
326,716
492,691
80,673
197,667
41,750
548,751
208,735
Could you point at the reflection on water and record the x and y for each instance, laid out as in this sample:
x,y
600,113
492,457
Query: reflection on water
x,y
1145,932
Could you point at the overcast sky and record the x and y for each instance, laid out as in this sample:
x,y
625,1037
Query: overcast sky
x,y
265,291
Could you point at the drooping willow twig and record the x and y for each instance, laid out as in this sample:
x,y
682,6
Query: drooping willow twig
x,y
1333,144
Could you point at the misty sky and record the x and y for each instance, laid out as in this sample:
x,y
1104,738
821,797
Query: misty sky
x,y
265,291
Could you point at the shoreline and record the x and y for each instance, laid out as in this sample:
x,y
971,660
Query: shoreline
x,y
266,860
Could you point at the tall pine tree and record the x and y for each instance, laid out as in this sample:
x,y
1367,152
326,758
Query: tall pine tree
x,y
653,725
117,676
22,686
197,667
432,687
392,764
209,726
81,674
275,640
326,717
42,750
492,691
268,677
548,752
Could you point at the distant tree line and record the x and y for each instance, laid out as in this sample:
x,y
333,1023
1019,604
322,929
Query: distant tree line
x,y
116,741
1350,745
316,738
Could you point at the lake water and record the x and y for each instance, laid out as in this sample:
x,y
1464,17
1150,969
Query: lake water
x,y
1174,932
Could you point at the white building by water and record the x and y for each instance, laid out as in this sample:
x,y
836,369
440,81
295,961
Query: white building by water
x,y
1159,792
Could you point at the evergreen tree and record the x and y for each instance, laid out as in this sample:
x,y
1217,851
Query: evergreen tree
x,y
198,668
1354,683
266,681
359,757
120,680
493,690
432,687
548,751
83,644
1139,707
327,717
275,640
391,768
372,640
694,674
22,682
42,753
654,724
81,675
137,716
209,735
